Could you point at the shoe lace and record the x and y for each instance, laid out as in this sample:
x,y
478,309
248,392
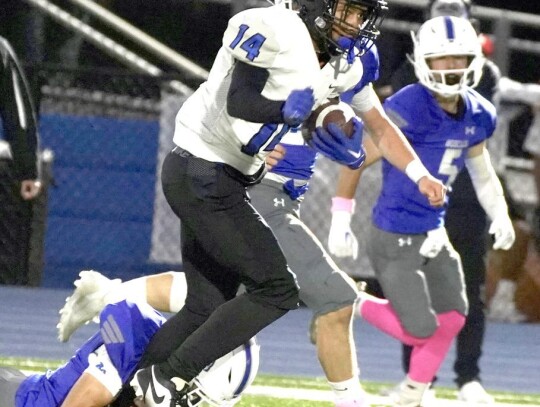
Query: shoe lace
x,y
185,397
180,398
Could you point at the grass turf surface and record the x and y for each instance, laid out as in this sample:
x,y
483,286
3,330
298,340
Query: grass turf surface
x,y
287,382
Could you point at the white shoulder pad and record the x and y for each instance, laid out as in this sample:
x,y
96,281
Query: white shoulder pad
x,y
258,36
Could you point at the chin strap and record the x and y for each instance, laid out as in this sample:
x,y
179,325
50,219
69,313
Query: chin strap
x,y
346,43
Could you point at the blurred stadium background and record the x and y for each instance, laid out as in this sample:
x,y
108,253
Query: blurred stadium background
x,y
109,83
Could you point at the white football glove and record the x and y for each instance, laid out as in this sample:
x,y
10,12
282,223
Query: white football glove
x,y
436,239
503,232
341,240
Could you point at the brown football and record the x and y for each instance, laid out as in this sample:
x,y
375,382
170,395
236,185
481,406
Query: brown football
x,y
332,111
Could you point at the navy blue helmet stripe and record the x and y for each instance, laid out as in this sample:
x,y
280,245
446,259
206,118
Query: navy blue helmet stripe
x,y
247,371
450,33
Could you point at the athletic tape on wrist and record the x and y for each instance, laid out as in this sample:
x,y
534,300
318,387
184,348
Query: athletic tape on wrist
x,y
343,204
415,170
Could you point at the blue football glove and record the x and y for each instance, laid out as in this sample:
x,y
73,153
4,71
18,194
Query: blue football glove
x,y
297,107
339,147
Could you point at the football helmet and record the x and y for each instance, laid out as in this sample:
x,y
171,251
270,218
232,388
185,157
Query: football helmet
x,y
221,383
456,8
319,17
446,36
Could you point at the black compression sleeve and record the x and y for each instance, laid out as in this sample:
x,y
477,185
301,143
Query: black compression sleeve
x,y
244,100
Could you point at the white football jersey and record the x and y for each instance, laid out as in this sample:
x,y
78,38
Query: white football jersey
x,y
273,38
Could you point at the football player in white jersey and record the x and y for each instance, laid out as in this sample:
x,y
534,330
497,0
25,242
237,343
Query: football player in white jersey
x,y
266,79
419,271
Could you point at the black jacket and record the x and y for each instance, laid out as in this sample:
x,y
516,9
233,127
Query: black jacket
x,y
18,114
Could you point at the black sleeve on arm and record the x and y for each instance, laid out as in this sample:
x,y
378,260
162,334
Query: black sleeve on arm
x,y
244,100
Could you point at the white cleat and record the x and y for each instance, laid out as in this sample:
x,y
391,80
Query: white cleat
x,y
86,302
473,393
410,394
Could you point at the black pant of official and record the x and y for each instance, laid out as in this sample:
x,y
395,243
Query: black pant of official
x,y
466,223
15,225
225,243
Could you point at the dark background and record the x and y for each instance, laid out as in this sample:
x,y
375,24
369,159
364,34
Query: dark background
x,y
194,28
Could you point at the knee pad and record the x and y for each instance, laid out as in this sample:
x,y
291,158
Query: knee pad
x,y
281,292
420,326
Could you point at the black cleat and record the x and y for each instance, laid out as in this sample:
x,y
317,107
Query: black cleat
x,y
155,390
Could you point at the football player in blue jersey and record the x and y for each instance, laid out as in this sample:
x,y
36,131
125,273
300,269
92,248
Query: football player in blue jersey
x,y
275,65
95,374
464,220
447,123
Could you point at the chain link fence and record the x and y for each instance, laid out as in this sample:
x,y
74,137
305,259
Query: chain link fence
x,y
104,131
108,132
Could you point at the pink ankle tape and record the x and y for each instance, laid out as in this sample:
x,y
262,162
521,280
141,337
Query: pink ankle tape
x,y
343,204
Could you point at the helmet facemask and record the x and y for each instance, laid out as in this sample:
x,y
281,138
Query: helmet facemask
x,y
442,37
319,17
358,40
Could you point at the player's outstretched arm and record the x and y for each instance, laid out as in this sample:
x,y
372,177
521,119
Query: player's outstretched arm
x,y
388,138
393,146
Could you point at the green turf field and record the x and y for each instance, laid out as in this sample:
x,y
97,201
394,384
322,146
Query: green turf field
x,y
446,394
272,391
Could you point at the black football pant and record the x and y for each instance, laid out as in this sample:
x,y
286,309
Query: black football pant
x,y
224,243
466,223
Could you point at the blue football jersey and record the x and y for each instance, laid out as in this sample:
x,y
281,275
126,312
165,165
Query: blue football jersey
x,y
125,329
299,160
441,141
370,62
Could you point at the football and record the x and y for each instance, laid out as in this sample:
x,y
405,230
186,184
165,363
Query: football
x,y
333,111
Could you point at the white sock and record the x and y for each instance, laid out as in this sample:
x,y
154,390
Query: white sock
x,y
411,390
417,385
350,389
134,290
177,297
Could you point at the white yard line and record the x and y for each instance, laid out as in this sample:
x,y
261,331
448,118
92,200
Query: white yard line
x,y
323,395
